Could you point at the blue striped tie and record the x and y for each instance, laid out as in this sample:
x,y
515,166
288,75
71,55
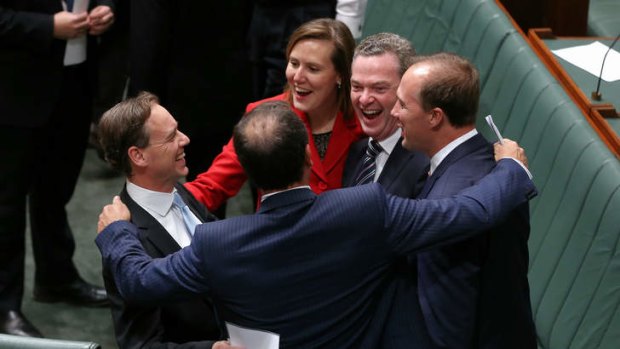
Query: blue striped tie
x,y
369,168
188,217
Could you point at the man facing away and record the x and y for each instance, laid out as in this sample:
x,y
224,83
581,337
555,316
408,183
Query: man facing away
x,y
473,293
141,139
309,268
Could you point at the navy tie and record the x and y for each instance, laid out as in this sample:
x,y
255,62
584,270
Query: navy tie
x,y
188,218
369,168
69,5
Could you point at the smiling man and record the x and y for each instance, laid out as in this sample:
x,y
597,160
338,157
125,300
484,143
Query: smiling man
x,y
379,62
473,293
142,139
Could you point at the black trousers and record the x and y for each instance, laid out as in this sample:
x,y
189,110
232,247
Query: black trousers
x,y
42,164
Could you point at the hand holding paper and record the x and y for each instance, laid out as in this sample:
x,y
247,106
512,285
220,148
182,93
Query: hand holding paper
x,y
489,120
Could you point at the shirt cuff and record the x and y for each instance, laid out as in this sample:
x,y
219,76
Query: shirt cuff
x,y
529,174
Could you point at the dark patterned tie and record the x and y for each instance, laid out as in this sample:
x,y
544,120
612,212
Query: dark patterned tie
x,y
369,168
69,5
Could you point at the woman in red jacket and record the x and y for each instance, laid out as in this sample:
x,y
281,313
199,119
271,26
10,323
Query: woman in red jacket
x,y
318,73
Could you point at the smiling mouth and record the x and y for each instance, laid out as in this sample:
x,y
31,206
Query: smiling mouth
x,y
181,156
371,114
302,92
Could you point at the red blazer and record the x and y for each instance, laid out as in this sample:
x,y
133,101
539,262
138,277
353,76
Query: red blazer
x,y
226,176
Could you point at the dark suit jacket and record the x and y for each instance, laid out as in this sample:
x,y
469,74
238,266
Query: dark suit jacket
x,y
309,267
31,60
192,322
475,294
192,55
403,174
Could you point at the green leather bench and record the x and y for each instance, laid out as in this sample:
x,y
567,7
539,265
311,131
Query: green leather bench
x,y
575,238
17,342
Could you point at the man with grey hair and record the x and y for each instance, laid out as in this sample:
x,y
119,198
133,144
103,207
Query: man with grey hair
x,y
379,62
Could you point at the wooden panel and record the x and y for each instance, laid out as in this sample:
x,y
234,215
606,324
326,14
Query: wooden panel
x,y
595,114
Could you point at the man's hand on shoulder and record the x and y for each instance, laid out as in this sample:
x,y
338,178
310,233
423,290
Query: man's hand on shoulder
x,y
116,211
510,149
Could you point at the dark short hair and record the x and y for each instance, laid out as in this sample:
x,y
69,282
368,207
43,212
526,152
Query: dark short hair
x,y
122,127
382,43
340,36
270,142
452,85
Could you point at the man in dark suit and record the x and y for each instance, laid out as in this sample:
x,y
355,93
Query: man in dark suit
x,y
45,108
379,62
151,153
192,55
473,293
308,268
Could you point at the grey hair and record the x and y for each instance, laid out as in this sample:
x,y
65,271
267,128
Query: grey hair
x,y
381,43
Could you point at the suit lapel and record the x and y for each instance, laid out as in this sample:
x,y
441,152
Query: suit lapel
x,y
459,152
149,228
196,207
344,133
397,160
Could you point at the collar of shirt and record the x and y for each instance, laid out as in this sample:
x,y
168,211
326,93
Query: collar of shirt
x,y
282,191
387,146
440,155
154,201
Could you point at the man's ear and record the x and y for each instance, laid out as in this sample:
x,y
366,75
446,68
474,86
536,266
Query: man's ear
x,y
136,156
436,117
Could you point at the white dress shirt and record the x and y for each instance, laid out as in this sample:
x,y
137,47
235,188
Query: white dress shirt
x,y
387,146
443,153
351,13
159,205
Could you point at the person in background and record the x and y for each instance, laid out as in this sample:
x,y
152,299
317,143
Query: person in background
x,y
306,267
272,22
318,73
140,138
473,293
48,70
192,55
352,13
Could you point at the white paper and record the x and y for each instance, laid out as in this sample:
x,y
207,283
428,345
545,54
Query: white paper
x,y
75,53
252,339
590,57
489,120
